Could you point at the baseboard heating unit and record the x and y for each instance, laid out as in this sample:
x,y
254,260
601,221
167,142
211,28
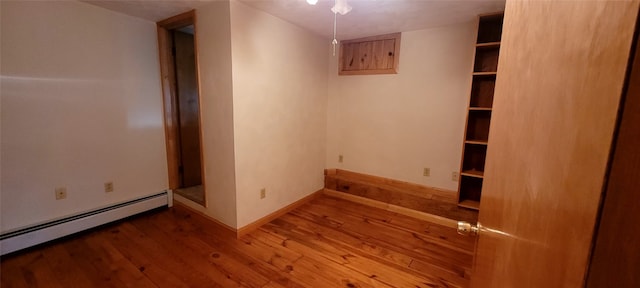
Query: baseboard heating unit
x,y
26,237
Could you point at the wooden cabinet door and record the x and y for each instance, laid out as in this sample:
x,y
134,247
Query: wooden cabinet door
x,y
615,260
560,78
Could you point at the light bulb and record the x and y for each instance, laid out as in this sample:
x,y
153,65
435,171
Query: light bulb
x,y
341,7
312,2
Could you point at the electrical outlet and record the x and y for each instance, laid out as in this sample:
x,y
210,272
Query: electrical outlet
x,y
340,158
426,172
263,193
61,193
454,176
108,187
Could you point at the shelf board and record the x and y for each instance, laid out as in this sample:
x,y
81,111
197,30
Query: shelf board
x,y
492,15
479,109
478,142
471,204
488,45
472,173
484,73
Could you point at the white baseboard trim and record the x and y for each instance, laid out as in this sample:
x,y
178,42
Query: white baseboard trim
x,y
38,234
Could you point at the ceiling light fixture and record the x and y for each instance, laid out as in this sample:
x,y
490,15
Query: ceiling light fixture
x,y
339,6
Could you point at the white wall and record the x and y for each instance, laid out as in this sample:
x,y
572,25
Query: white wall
x,y
279,108
395,125
213,26
81,105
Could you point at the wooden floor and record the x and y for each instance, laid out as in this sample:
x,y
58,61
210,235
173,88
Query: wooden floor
x,y
328,242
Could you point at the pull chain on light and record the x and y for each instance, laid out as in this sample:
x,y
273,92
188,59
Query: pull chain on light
x,y
335,41
339,6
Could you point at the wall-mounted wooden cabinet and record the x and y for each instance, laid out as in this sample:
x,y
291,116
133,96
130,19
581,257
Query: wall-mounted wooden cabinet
x,y
485,68
371,55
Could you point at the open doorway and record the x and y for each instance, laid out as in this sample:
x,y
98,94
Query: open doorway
x,y
179,64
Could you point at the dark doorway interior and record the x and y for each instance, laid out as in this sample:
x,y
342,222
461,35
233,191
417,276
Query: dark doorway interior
x,y
188,115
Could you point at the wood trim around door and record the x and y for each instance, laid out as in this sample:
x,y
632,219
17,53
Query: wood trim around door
x,y
169,99
169,96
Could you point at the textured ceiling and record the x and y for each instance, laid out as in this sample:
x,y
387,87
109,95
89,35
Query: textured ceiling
x,y
375,17
154,10
368,17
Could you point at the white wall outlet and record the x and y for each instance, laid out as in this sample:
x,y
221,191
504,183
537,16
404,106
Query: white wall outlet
x,y
61,193
340,158
108,187
454,176
426,172
263,193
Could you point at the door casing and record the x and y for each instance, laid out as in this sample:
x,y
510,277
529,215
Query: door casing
x,y
170,105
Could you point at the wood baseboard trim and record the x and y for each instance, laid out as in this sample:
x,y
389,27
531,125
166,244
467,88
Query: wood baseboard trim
x,y
418,190
429,200
266,219
231,230
393,208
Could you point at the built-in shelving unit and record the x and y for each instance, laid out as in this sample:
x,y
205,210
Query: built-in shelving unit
x,y
485,68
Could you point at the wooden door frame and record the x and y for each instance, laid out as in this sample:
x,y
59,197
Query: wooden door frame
x,y
169,95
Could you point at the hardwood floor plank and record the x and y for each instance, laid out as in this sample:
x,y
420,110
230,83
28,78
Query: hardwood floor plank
x,y
97,265
333,274
272,284
382,231
39,271
11,273
214,262
440,234
335,265
444,236
118,266
386,275
308,249
370,244
345,245
165,269
34,270
401,239
242,250
61,262
355,209
362,232
328,242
